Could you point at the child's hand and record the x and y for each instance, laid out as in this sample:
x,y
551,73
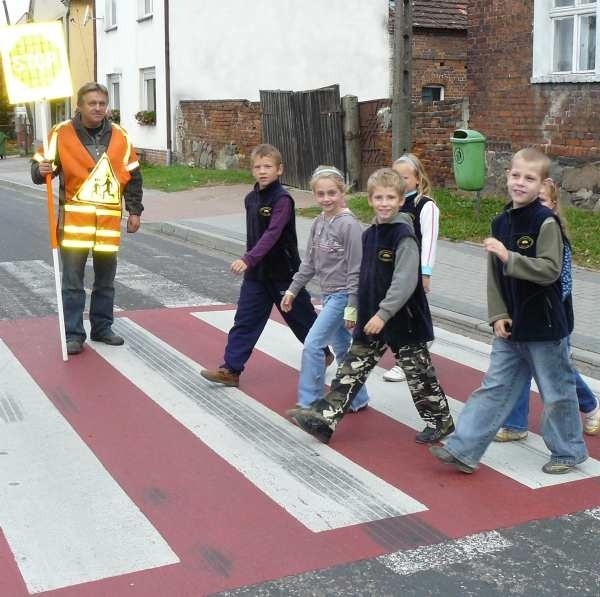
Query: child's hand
x,y
374,326
426,283
238,266
286,302
502,328
494,246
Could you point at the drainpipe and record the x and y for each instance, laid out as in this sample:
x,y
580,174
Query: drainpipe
x,y
95,41
168,84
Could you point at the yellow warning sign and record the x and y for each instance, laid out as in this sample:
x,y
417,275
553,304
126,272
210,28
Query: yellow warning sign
x,y
35,62
101,186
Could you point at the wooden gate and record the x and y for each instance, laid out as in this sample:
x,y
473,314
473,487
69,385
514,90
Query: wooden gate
x,y
306,126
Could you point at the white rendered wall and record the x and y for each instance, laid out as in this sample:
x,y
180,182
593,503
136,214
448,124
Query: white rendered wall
x,y
230,49
125,50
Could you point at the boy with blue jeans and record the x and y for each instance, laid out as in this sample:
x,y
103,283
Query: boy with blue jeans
x,y
531,328
268,266
392,312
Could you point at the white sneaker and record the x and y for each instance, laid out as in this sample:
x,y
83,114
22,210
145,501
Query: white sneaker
x,y
394,374
591,421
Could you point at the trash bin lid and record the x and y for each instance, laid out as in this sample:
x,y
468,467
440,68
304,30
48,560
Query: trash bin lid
x,y
467,136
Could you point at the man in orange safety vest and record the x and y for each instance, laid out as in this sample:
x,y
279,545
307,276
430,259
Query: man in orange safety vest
x,y
98,168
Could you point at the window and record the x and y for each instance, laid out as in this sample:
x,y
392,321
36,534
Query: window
x,y
144,9
564,41
113,84
110,14
432,93
148,88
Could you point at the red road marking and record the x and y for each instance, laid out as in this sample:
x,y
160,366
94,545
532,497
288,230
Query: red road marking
x,y
225,531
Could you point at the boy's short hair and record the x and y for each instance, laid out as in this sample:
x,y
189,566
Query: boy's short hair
x,y
534,156
265,150
386,177
88,88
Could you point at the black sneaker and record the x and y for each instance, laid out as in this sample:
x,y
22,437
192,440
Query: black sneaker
x,y
431,435
442,454
74,346
109,338
305,419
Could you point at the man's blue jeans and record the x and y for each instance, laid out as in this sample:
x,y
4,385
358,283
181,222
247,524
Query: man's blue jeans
x,y
73,291
327,330
511,366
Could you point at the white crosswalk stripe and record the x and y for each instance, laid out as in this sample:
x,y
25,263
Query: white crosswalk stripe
x,y
521,461
318,486
65,518
27,288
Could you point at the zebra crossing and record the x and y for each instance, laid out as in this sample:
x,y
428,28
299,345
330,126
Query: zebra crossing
x,y
123,471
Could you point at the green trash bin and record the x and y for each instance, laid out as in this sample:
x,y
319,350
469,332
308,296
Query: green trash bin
x,y
468,153
3,138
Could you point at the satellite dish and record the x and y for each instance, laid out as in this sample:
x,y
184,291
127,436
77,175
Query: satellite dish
x,y
48,10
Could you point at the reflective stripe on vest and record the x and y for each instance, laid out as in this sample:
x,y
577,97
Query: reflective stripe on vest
x,y
91,227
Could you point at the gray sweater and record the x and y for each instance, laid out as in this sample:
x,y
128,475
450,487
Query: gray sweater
x,y
333,255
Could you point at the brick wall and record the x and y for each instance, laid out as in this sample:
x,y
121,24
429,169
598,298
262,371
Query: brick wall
x,y
440,58
432,127
217,133
560,118
157,157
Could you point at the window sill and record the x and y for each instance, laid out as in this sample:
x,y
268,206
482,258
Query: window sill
x,y
567,78
148,17
110,28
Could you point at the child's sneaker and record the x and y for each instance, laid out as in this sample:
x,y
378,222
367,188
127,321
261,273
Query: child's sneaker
x,y
591,422
557,468
308,420
394,374
431,435
510,435
442,454
222,375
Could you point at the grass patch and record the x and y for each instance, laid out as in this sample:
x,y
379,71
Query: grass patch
x,y
458,222
179,177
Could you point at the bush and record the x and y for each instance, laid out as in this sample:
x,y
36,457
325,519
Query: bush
x,y
146,117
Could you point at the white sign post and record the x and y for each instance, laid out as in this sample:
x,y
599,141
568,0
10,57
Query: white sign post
x,y
36,69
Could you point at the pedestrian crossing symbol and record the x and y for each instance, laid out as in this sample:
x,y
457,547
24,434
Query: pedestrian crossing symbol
x,y
35,62
101,186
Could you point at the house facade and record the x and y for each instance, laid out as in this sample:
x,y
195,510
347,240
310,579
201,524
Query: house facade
x,y
153,60
534,79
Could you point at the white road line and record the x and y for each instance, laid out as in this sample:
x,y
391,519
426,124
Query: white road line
x,y
444,554
65,518
521,461
36,275
165,291
322,489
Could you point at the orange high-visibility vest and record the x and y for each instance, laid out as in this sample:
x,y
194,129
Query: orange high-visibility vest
x,y
91,225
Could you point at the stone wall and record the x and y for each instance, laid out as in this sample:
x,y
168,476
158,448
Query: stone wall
x,y
217,133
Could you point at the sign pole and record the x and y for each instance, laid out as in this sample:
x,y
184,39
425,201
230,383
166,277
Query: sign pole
x,y
43,105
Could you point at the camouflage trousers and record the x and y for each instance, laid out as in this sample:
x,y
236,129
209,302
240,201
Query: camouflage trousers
x,y
415,360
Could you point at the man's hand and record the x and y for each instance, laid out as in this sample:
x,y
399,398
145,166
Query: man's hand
x,y
286,302
494,246
238,266
374,326
502,328
133,223
45,168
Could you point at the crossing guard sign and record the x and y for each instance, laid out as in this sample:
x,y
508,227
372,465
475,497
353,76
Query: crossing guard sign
x,y
35,62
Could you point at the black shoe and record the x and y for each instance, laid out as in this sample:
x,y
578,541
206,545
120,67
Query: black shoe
x,y
306,419
430,435
74,346
442,454
110,338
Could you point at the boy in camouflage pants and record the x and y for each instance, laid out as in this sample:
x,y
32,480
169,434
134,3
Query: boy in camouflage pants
x,y
392,312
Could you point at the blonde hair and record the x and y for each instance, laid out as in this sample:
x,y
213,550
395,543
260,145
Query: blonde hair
x,y
555,202
535,157
329,173
423,184
386,177
265,150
